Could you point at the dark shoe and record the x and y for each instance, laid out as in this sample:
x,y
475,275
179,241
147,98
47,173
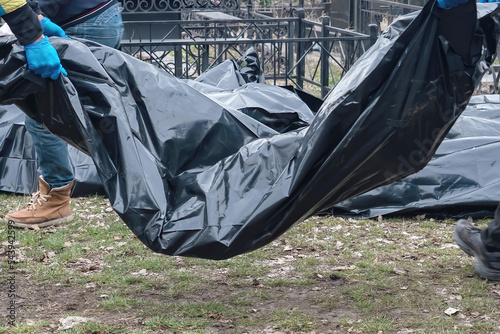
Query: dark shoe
x,y
468,238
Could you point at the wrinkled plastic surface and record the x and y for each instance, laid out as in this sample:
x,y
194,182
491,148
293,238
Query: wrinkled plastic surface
x,y
18,167
270,105
461,180
192,176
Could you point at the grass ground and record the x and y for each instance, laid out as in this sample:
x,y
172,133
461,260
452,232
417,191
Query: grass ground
x,y
325,275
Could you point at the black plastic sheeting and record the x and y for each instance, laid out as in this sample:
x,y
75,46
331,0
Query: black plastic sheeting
x,y
18,165
270,105
461,180
192,176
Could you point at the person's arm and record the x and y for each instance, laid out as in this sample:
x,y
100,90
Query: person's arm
x,y
34,6
22,20
41,57
49,28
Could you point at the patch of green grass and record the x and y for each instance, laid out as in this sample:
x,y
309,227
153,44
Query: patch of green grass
x,y
244,267
117,302
249,297
363,297
277,282
22,328
201,309
377,272
97,328
71,254
174,324
328,301
293,320
182,316
478,304
55,273
375,324
306,265
485,326
378,324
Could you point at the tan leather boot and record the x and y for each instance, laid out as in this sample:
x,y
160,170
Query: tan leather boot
x,y
48,207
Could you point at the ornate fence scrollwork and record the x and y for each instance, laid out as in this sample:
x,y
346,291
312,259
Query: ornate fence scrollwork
x,y
145,6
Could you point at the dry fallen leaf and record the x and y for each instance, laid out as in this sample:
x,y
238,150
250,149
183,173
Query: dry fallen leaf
x,y
71,321
142,272
399,271
340,268
451,311
90,285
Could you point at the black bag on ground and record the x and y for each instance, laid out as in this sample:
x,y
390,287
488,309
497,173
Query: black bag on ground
x,y
461,180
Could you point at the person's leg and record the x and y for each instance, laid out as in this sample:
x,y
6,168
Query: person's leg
x,y
57,177
52,155
483,245
50,205
105,28
491,235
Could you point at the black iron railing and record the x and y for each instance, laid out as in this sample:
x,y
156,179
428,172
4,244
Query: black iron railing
x,y
143,6
291,50
379,12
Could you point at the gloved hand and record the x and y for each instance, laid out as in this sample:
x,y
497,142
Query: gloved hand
x,y
52,29
43,59
445,4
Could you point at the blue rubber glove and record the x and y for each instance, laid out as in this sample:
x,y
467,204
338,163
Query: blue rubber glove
x,y
484,1
52,29
445,4
43,59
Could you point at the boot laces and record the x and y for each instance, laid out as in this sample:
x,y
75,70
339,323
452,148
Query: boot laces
x,y
37,199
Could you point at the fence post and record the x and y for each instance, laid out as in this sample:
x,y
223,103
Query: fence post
x,y
249,9
301,68
373,33
327,6
178,61
204,58
289,48
325,57
357,16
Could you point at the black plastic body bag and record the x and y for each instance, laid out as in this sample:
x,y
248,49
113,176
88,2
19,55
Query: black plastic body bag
x,y
191,177
462,179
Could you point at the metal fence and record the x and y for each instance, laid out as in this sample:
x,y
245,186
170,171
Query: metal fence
x,y
157,6
292,50
187,37
379,12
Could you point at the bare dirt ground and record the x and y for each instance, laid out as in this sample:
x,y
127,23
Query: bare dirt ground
x,y
326,275
47,302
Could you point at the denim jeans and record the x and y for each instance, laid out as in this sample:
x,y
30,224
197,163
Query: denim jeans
x,y
106,28
52,152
